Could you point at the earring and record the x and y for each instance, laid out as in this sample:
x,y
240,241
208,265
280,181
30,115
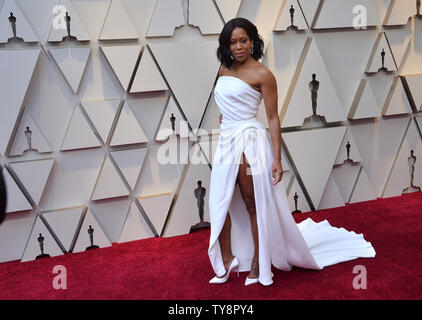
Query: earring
x,y
231,57
252,50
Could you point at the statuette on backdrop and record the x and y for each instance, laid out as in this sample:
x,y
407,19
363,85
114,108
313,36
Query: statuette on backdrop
x,y
91,239
315,120
68,19
199,193
348,147
383,68
41,244
28,134
173,122
411,161
296,197
12,20
292,15
348,150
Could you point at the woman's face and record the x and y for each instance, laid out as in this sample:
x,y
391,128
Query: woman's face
x,y
240,44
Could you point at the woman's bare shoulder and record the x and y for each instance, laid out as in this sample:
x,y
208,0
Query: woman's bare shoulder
x,y
222,71
264,74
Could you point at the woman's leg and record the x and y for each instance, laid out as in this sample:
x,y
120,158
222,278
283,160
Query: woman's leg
x,y
246,189
225,243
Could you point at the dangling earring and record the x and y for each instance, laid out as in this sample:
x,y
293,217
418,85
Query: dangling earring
x,y
231,57
252,50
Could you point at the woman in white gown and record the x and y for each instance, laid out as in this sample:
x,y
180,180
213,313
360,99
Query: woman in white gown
x,y
252,228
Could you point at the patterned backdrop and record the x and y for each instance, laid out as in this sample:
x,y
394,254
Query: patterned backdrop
x,y
108,119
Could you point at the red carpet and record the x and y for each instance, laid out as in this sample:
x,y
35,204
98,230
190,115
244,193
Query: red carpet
x,y
178,268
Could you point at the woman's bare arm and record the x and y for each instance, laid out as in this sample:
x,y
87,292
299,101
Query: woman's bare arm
x,y
270,96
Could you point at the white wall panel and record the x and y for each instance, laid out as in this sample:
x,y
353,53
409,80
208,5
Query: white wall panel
x,y
20,141
34,176
99,237
72,62
16,200
204,14
23,28
72,179
228,8
123,60
168,15
77,28
377,158
135,227
111,215
64,224
20,64
15,230
118,24
33,248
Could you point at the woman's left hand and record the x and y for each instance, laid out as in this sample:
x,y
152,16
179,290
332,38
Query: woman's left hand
x,y
277,172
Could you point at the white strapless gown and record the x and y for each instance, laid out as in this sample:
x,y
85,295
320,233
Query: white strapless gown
x,y
282,242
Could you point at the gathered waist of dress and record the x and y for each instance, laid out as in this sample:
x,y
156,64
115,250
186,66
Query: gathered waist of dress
x,y
236,124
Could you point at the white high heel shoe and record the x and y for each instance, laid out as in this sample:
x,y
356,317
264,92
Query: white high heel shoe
x,y
250,281
233,265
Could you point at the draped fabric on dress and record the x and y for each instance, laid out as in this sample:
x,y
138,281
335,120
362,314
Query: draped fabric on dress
x,y
282,242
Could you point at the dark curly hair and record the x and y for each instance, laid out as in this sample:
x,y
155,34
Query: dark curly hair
x,y
223,51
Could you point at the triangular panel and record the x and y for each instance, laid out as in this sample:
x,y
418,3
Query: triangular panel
x,y
34,176
148,77
345,177
16,201
135,227
328,102
401,12
378,158
77,28
128,130
405,166
382,47
367,106
415,84
284,21
399,102
111,215
314,153
20,64
130,163
72,62
64,224
90,227
79,134
156,208
354,153
185,213
180,126
123,60
363,191
331,198
204,14
168,15
40,238
109,184
343,14
118,24
102,115
23,29
32,136
196,61
228,8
